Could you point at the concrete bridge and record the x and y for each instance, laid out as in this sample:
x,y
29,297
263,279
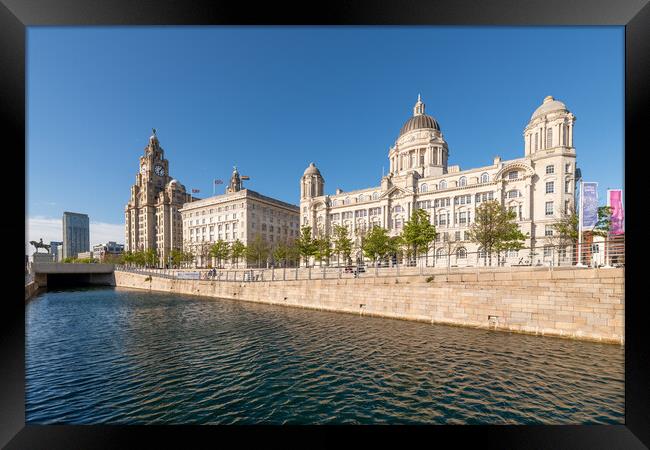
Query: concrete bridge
x,y
61,274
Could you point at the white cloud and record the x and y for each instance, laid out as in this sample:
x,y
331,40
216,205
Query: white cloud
x,y
51,229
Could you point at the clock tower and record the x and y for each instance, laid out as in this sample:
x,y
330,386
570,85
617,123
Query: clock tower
x,y
152,220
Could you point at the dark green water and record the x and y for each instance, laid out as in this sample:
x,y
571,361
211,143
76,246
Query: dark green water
x,y
116,356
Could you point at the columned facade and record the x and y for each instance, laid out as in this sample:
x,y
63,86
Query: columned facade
x,y
538,187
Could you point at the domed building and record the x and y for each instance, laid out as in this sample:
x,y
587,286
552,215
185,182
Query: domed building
x,y
538,187
152,217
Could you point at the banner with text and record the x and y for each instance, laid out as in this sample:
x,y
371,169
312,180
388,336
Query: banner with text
x,y
589,213
615,201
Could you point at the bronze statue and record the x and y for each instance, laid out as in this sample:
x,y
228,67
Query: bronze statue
x,y
40,244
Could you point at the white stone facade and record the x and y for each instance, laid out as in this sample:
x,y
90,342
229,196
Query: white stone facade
x,y
538,187
239,214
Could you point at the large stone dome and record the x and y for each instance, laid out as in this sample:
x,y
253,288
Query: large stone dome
x,y
549,105
420,120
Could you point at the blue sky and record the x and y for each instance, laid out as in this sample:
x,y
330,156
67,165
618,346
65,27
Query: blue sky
x,y
273,99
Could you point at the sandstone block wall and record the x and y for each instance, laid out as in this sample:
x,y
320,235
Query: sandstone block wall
x,y
578,303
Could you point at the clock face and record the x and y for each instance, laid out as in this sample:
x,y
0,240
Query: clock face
x,y
159,170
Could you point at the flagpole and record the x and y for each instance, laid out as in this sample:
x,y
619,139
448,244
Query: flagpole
x,y
580,226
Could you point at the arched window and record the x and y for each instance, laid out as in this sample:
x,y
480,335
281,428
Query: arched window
x,y
346,201
443,184
375,195
461,253
440,253
424,188
485,178
462,181
333,202
360,199
482,254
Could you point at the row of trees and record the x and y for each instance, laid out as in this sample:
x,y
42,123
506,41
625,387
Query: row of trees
x,y
258,252
494,229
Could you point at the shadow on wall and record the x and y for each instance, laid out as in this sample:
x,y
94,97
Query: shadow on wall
x,y
65,280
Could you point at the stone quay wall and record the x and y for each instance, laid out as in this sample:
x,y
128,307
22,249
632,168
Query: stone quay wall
x,y
585,304
30,289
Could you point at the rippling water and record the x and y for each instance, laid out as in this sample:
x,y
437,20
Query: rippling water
x,y
119,356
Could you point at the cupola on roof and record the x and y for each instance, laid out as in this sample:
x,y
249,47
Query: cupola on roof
x,y
549,105
312,170
420,120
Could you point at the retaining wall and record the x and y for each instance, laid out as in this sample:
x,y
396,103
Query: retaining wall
x,y
583,304
30,289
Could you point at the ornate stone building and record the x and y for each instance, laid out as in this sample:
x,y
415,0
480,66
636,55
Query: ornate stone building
x,y
239,214
538,186
152,218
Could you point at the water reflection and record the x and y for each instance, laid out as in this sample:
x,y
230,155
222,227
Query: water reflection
x,y
125,356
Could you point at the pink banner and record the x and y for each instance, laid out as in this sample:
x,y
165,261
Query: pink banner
x,y
615,200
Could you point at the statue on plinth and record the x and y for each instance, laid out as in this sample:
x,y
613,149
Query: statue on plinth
x,y
40,244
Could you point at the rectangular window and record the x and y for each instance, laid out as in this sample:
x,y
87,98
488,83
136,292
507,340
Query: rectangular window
x,y
462,218
567,168
548,230
567,186
513,175
567,205
548,251
550,187
457,236
550,169
549,208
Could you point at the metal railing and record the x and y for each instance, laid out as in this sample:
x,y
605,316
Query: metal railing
x,y
447,259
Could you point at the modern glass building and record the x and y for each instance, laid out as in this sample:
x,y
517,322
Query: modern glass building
x,y
76,234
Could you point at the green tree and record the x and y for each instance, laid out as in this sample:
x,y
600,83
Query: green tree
x,y
220,250
257,250
323,249
188,257
378,245
237,251
604,222
139,258
305,243
293,254
495,229
177,257
418,233
565,232
281,253
565,229
151,257
342,242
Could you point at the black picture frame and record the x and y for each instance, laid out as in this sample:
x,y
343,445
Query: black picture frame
x,y
16,15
